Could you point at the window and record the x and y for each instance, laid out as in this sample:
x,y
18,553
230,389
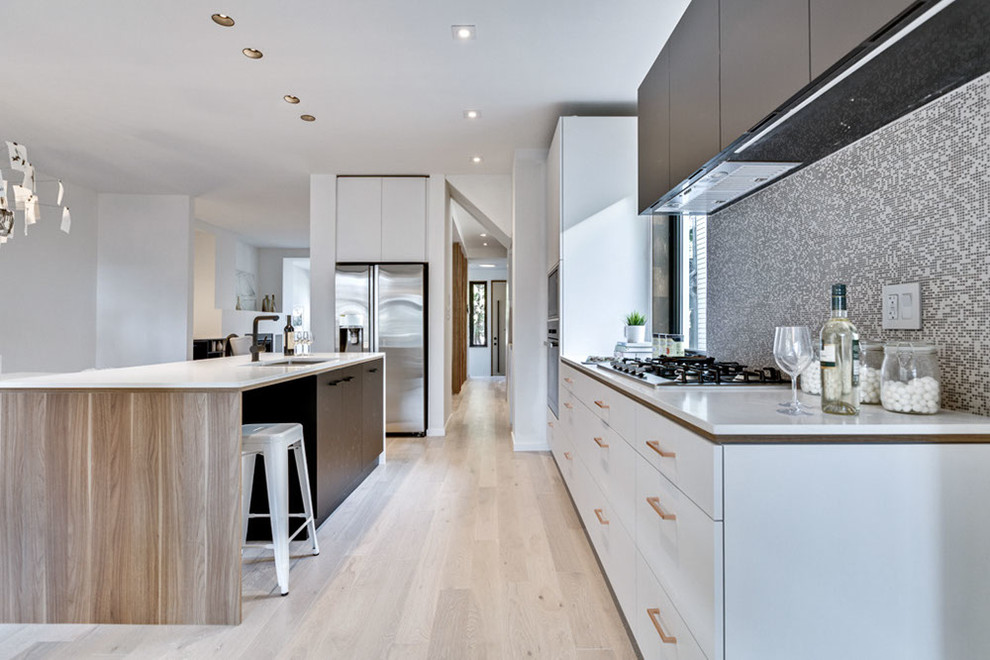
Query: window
x,y
479,313
680,278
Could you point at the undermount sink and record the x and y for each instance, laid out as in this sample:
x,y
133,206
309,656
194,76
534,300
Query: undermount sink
x,y
291,362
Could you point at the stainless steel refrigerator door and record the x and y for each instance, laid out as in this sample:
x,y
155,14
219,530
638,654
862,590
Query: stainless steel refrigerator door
x,y
400,332
354,297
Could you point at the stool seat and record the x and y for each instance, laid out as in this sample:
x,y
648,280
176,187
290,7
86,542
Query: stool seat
x,y
273,442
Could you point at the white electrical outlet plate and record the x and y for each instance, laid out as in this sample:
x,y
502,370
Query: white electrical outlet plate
x,y
901,306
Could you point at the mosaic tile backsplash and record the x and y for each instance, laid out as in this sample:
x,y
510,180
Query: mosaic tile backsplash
x,y
909,203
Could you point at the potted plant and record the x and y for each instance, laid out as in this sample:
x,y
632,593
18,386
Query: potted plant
x,y
635,328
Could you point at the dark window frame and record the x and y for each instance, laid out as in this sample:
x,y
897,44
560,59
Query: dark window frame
x,y
471,310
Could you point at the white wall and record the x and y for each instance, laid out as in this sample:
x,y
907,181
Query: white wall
x,y
144,290
48,287
322,258
270,273
296,289
480,357
207,318
491,193
528,293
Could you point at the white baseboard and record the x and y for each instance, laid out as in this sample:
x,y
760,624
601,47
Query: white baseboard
x,y
529,444
436,432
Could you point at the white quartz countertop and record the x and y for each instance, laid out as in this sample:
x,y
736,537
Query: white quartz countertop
x,y
228,373
749,413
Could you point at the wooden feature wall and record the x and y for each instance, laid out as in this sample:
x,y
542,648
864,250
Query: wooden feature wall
x,y
459,317
120,507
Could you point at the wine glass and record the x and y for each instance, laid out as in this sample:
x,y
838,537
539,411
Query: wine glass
x,y
793,352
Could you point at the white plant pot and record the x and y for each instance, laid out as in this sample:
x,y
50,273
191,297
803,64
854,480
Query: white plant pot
x,y
635,334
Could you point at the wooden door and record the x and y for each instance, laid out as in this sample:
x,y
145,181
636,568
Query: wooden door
x,y
459,317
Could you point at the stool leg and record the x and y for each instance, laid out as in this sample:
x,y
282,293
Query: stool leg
x,y
277,477
247,483
307,497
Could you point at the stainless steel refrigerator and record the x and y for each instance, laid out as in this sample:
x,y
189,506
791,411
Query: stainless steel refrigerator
x,y
382,307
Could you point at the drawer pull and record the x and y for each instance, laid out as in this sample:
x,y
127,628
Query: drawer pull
x,y
568,406
602,405
655,503
655,446
601,443
654,615
550,424
568,380
567,455
601,518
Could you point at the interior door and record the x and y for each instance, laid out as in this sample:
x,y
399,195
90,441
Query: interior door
x,y
499,345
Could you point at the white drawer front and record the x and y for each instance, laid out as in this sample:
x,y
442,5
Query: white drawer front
x,y
568,377
691,462
660,631
683,547
616,409
612,464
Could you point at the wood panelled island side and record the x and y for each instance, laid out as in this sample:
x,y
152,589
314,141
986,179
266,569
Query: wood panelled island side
x,y
120,489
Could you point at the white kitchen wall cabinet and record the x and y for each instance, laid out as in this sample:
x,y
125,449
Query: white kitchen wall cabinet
x,y
604,245
823,550
381,218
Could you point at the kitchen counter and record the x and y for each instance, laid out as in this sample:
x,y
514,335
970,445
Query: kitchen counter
x,y
229,373
120,489
747,414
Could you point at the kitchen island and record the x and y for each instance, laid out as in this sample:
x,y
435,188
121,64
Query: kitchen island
x,y
728,530
120,489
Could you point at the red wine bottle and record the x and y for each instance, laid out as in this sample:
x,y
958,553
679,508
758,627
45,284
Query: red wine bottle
x,y
289,336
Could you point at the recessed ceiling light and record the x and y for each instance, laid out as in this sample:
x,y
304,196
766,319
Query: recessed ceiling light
x,y
484,235
307,117
463,32
472,114
253,53
289,98
486,265
475,159
484,244
223,19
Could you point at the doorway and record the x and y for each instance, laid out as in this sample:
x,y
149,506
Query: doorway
x,y
499,345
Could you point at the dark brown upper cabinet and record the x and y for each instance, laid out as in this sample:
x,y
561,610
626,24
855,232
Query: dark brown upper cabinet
x,y
653,126
694,90
839,26
764,60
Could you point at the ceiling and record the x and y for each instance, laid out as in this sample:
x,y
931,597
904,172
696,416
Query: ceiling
x,y
153,97
477,240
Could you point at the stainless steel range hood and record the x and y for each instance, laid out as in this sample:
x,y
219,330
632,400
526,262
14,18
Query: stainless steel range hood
x,y
933,48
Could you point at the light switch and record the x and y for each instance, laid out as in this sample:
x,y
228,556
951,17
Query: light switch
x,y
901,306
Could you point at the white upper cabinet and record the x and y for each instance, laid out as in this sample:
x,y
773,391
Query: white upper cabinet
x,y
381,218
359,218
403,218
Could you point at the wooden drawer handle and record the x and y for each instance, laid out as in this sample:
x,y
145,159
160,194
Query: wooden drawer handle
x,y
568,406
568,380
601,443
601,404
654,615
550,424
601,518
655,446
567,455
655,503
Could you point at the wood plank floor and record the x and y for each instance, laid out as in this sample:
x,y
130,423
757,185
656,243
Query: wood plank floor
x,y
456,548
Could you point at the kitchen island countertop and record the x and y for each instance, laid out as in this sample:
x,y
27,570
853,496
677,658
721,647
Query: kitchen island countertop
x,y
748,414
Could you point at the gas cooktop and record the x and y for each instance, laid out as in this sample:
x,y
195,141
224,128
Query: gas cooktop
x,y
692,370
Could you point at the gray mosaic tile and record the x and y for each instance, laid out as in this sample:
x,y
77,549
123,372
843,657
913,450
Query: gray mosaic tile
x,y
910,202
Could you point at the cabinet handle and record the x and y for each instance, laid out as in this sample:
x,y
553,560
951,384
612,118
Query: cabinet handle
x,y
373,371
602,519
655,446
568,381
333,383
567,455
568,406
601,404
550,424
654,614
601,443
348,379
655,503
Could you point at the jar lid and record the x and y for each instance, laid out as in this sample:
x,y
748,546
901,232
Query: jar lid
x,y
870,345
921,347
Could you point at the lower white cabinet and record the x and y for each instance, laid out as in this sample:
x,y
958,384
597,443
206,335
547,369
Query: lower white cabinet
x,y
661,633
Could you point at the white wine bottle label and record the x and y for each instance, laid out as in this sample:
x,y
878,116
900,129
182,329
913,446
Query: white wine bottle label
x,y
828,355
290,340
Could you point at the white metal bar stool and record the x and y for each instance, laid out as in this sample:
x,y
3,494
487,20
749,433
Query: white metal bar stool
x,y
274,442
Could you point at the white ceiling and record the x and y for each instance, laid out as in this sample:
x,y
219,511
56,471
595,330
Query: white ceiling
x,y
153,97
478,241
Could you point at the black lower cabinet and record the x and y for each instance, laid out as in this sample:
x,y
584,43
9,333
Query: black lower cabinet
x,y
344,428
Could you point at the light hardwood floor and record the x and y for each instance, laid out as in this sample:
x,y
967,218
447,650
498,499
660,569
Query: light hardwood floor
x,y
456,548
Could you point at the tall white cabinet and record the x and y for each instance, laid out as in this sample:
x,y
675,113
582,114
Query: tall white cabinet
x,y
381,218
602,245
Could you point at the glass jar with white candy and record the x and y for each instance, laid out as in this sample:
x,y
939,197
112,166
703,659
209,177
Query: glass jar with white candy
x,y
870,368
910,382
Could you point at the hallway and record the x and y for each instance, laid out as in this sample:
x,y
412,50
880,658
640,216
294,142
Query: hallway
x,y
456,548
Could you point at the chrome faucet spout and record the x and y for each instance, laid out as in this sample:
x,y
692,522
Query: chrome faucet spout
x,y
255,348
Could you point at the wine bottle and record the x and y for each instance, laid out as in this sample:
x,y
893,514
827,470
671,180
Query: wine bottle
x,y
840,359
289,336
